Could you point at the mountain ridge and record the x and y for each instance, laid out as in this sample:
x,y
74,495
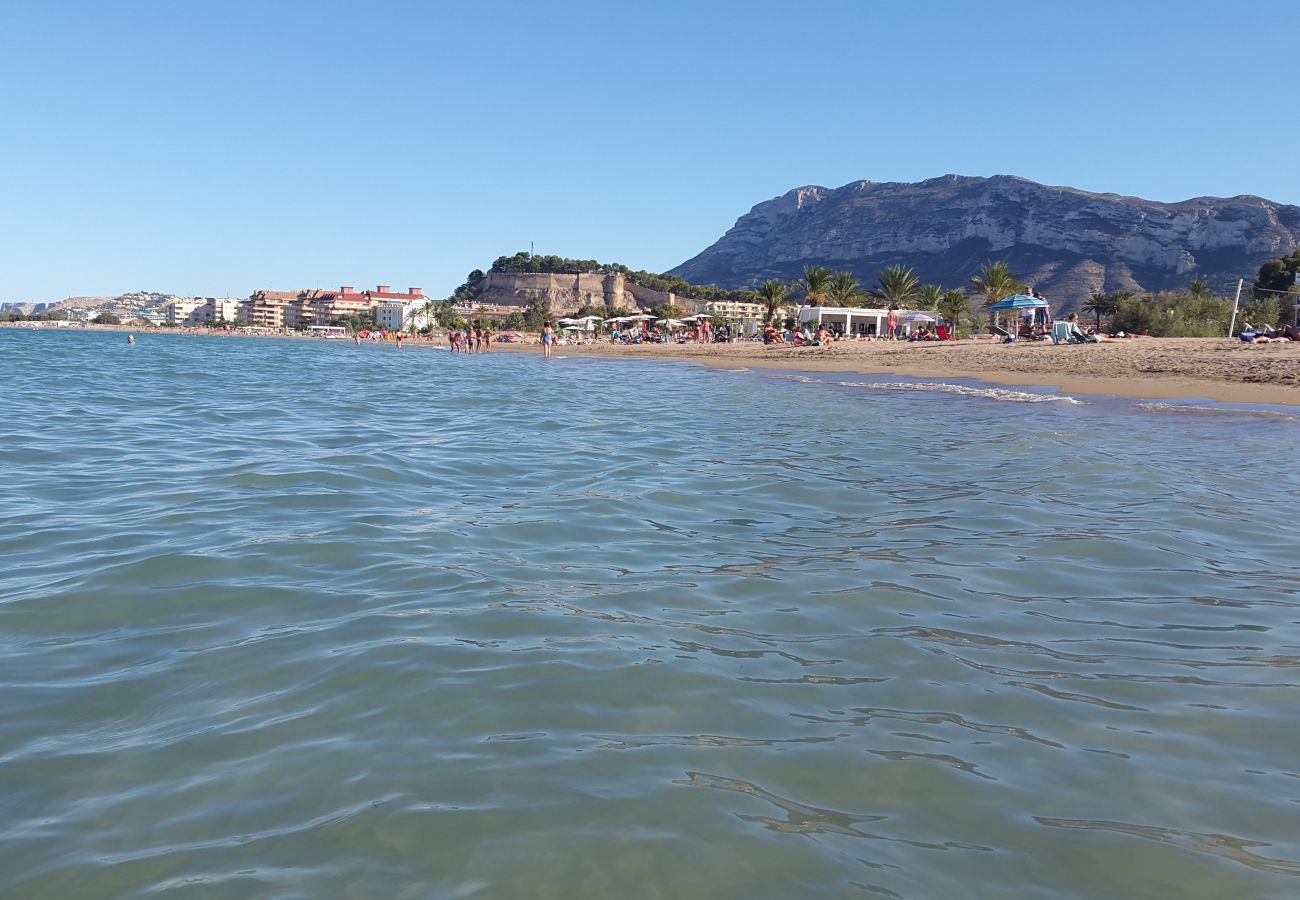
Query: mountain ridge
x,y
1066,241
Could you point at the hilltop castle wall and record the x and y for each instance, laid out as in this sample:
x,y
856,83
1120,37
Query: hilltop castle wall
x,y
566,294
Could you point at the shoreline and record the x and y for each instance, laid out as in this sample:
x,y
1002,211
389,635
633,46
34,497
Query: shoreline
x,y
1220,369
1144,368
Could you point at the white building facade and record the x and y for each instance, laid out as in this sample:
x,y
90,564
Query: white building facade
x,y
401,315
188,311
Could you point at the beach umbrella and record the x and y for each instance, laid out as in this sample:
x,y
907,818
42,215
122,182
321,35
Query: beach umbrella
x,y
640,318
1018,301
919,317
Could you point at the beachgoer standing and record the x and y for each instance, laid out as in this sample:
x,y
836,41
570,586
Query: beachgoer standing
x,y
548,338
892,323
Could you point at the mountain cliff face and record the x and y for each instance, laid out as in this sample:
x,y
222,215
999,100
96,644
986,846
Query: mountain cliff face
x,y
1067,243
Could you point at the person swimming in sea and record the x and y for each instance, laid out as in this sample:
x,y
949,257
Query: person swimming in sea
x,y
130,339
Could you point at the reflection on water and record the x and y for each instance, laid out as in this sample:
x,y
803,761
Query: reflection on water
x,y
284,619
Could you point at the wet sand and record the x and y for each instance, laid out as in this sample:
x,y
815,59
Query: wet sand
x,y
1213,368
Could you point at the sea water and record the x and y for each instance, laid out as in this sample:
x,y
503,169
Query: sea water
x,y
304,619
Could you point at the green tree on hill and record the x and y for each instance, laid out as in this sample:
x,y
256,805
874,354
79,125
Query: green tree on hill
x,y
108,318
669,284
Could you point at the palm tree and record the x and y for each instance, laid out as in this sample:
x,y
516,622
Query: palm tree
x,y
1105,303
428,310
898,286
816,280
995,282
1097,304
952,306
771,295
1199,288
842,289
929,296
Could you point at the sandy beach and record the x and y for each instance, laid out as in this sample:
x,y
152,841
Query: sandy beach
x,y
1218,369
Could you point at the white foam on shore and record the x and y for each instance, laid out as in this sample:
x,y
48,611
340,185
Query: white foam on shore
x,y
1005,394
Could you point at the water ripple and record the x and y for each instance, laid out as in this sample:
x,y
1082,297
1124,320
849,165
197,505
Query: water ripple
x,y
440,626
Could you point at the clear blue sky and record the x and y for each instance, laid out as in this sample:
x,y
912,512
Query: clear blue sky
x,y
217,148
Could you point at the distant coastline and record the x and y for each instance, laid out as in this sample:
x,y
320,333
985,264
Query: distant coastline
x,y
1213,368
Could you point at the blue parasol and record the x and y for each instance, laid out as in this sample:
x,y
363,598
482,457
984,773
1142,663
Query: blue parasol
x,y
1018,301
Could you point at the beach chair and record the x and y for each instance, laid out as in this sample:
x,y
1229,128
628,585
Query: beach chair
x,y
1061,332
1002,333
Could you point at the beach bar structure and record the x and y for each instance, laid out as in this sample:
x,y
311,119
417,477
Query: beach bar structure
x,y
851,322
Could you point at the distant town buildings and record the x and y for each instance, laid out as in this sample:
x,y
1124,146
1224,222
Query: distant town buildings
x,y
188,311
287,309
733,309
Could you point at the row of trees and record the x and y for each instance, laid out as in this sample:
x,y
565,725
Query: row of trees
x,y
1194,312
1278,276
897,287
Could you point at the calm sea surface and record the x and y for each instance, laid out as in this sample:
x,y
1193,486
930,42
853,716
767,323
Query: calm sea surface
x,y
307,620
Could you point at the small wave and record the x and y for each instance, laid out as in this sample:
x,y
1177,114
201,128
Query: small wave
x,y
1187,409
944,388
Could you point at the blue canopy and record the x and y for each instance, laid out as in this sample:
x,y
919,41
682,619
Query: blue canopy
x,y
1019,301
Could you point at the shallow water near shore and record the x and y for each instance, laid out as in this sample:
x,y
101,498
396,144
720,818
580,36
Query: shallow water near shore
x,y
299,619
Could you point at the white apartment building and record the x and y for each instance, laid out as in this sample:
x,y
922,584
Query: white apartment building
x,y
187,311
401,315
226,309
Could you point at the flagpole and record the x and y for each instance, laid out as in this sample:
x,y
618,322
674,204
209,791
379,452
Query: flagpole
x,y
1233,325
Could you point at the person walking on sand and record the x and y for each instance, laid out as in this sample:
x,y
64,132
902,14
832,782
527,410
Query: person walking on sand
x,y
548,338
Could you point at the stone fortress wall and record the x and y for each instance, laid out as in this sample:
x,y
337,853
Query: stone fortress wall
x,y
566,294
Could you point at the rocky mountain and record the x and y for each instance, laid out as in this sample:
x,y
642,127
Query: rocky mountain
x,y
1065,242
